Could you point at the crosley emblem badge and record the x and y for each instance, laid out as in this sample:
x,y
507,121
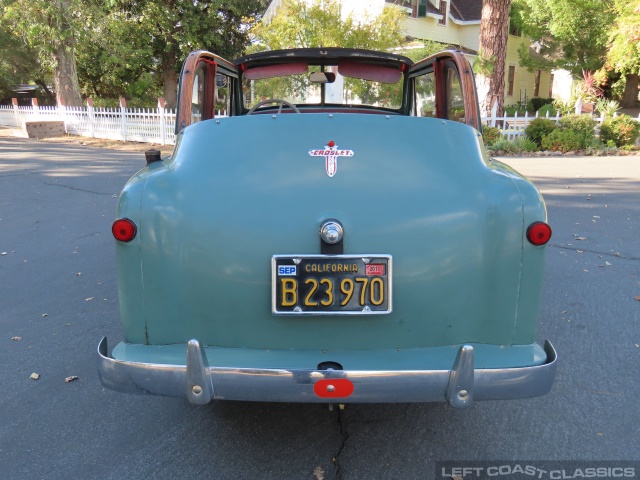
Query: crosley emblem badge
x,y
331,152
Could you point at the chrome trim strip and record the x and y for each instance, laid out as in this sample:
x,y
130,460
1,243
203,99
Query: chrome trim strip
x,y
277,385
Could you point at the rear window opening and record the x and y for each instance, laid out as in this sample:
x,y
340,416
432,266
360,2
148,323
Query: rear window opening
x,y
343,83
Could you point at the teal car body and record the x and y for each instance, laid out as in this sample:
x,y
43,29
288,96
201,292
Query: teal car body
x,y
329,251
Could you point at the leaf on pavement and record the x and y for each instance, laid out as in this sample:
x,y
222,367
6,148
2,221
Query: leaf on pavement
x,y
16,339
34,376
637,298
581,238
88,299
71,378
318,473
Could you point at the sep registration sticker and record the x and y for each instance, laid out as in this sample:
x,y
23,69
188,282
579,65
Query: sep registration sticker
x,y
287,270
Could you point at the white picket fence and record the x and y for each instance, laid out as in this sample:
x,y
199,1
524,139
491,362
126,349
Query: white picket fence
x,y
153,125
157,125
514,127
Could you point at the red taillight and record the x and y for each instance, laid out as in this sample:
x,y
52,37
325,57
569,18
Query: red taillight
x,y
539,233
124,229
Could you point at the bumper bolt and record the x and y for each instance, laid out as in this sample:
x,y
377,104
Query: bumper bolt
x,y
197,389
331,388
463,394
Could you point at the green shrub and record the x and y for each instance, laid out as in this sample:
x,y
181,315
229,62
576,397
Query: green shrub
x,y
542,112
538,128
501,144
511,110
536,103
564,107
490,135
578,123
518,145
622,130
526,145
562,141
583,126
607,108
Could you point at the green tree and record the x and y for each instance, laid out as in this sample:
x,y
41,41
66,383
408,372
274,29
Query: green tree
x,y
571,34
49,28
149,39
320,24
116,59
19,64
298,25
623,55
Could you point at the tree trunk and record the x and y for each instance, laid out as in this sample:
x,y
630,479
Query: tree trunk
x,y
494,32
65,76
170,86
630,91
170,78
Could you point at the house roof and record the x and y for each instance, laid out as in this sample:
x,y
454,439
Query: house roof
x,y
466,10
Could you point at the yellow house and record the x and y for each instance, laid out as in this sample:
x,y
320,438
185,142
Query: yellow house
x,y
457,23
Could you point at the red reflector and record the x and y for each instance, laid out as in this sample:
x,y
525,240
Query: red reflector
x,y
124,229
539,233
335,388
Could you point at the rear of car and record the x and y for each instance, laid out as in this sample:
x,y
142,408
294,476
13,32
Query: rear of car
x,y
340,253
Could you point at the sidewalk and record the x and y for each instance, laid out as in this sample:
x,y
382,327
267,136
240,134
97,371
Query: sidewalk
x,y
92,142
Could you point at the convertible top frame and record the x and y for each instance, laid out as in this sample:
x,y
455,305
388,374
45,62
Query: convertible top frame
x,y
212,64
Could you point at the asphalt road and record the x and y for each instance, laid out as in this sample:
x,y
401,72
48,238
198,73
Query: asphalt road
x,y
58,293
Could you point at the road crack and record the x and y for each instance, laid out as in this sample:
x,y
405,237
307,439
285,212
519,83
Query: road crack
x,y
604,254
344,433
77,189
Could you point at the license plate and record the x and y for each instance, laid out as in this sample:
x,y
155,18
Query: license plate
x,y
331,284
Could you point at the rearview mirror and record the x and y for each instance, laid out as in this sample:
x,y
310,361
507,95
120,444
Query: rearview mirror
x,y
322,77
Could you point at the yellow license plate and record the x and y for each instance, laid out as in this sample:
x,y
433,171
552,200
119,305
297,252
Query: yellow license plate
x,y
331,284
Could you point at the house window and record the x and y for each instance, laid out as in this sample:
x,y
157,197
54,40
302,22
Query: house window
x,y
422,8
536,88
443,12
551,86
510,79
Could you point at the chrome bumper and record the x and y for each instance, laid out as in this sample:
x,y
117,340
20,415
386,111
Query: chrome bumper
x,y
201,384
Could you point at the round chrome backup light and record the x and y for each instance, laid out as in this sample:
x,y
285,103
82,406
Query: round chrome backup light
x,y
331,231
